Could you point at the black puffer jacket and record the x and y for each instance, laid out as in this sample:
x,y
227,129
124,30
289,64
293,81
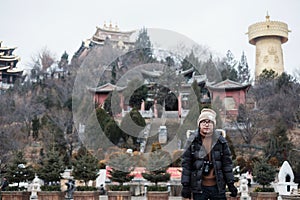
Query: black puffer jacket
x,y
193,160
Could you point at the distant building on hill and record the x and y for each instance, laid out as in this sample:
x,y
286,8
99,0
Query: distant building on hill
x,y
9,73
119,39
107,34
102,92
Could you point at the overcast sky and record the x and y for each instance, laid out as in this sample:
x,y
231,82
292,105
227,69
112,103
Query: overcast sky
x,y
61,25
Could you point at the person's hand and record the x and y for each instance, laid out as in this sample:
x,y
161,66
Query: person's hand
x,y
186,192
233,190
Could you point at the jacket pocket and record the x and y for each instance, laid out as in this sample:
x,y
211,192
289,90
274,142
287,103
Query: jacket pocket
x,y
220,180
196,180
217,155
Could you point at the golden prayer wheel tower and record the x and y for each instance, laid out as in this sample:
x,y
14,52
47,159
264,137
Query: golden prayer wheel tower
x,y
267,37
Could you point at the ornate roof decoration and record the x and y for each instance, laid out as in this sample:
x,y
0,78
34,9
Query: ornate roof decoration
x,y
111,27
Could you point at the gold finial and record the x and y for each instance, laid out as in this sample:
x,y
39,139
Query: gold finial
x,y
104,26
110,25
267,17
116,27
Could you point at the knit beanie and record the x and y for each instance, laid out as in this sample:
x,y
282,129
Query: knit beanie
x,y
207,113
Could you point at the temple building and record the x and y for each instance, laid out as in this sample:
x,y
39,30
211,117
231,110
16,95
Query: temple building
x,y
119,39
107,34
267,37
9,73
232,94
101,93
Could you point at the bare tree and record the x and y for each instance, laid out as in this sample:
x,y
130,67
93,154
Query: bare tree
x,y
46,58
252,124
26,110
40,63
278,97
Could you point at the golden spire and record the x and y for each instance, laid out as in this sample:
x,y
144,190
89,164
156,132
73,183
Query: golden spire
x,y
267,17
116,27
110,26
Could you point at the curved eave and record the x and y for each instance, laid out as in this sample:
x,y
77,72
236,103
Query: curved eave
x,y
188,71
5,58
93,90
246,87
7,48
9,56
99,40
95,37
96,90
14,70
4,68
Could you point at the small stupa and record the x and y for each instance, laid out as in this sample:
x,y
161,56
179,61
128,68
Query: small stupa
x,y
285,184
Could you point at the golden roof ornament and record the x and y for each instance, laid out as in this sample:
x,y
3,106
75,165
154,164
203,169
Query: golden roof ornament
x,y
116,27
110,26
267,17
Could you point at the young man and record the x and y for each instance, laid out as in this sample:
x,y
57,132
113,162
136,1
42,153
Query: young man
x,y
207,164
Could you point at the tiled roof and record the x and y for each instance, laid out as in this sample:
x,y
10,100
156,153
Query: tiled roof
x,y
228,84
108,87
